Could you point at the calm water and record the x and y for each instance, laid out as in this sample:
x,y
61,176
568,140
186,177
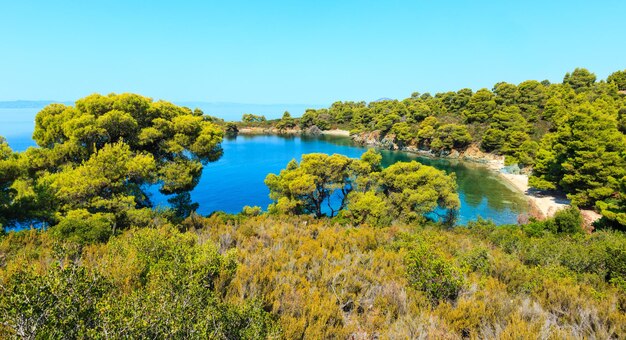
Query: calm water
x,y
237,178
16,125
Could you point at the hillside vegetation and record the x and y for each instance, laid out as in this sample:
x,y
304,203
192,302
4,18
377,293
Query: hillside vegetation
x,y
298,277
347,249
571,134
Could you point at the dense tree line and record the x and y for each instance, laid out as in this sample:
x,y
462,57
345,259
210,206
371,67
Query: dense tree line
x,y
508,119
572,135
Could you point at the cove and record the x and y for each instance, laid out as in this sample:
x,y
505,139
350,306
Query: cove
x,y
236,179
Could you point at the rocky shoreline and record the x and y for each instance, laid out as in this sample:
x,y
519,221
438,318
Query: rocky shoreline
x,y
471,154
313,131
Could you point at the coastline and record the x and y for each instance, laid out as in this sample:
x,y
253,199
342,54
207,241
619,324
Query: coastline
x,y
336,132
274,131
542,204
546,204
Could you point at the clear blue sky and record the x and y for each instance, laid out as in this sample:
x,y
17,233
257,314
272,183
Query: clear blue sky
x,y
312,52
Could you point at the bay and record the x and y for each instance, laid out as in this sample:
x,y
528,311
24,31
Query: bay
x,y
236,179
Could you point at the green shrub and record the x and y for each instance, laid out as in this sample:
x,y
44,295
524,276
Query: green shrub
x,y
433,274
83,227
251,211
477,260
568,220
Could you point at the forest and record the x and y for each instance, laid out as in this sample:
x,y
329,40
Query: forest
x,y
347,249
569,136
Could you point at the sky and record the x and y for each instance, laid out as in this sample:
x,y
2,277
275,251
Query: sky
x,y
305,52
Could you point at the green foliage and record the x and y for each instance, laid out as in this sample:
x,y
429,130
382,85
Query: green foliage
x,y
478,260
82,227
451,136
413,190
579,79
9,172
506,94
296,277
378,269
614,208
322,183
97,158
368,208
433,274
251,211
481,106
532,96
250,118
63,303
510,120
493,139
286,122
319,118
182,206
306,187
619,79
403,133
583,157
417,110
231,129
155,283
568,220
107,182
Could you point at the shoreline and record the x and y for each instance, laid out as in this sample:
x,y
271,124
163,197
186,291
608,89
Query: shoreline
x,y
274,131
336,132
546,204
541,204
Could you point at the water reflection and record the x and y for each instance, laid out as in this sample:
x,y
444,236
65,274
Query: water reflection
x,y
482,192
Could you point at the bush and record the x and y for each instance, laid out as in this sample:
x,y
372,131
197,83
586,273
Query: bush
x,y
433,274
568,221
82,227
251,211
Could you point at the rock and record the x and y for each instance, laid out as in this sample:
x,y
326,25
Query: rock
x,y
512,169
388,142
313,130
367,138
474,154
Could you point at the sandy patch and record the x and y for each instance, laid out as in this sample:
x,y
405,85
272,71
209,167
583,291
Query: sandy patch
x,y
545,203
336,132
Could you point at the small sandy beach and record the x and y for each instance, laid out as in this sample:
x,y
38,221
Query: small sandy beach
x,y
336,132
545,203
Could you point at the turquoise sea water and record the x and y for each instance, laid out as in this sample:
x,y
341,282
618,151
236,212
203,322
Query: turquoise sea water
x,y
236,179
